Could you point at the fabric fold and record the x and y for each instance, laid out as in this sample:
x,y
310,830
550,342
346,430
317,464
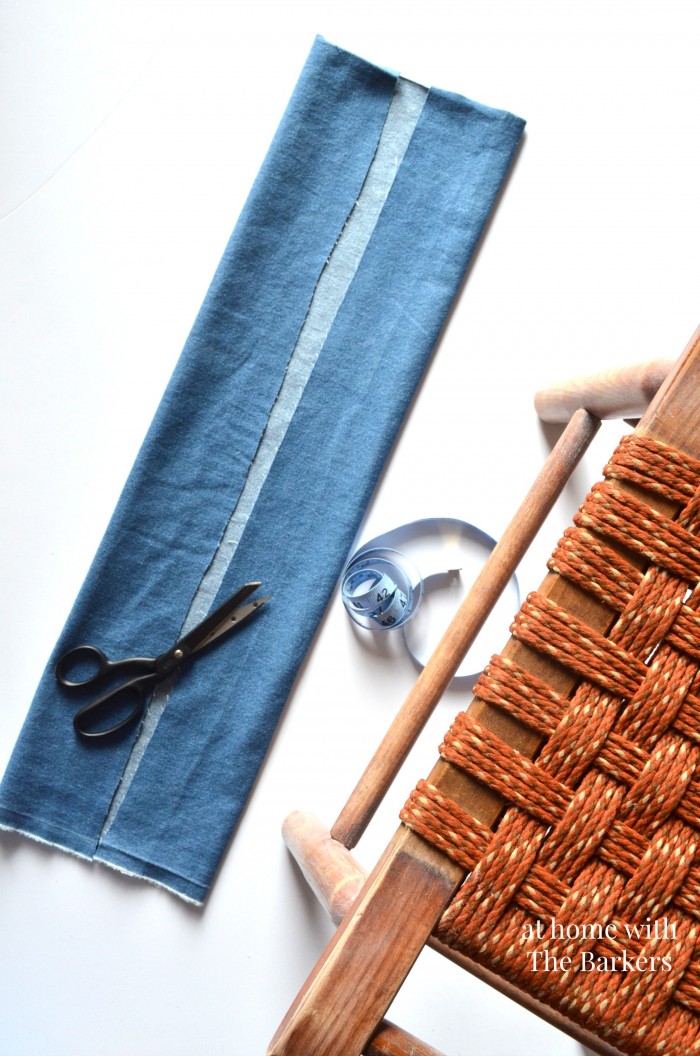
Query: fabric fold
x,y
326,306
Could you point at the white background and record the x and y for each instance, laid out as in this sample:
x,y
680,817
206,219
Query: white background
x,y
131,133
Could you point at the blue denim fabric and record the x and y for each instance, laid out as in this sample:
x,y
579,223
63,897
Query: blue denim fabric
x,y
198,768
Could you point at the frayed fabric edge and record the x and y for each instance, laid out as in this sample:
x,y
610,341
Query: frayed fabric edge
x,y
149,880
45,841
93,859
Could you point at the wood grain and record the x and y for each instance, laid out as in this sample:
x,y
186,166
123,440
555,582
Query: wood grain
x,y
328,867
389,1040
622,393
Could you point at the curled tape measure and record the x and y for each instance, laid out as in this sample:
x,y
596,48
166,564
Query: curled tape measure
x,y
381,588
414,578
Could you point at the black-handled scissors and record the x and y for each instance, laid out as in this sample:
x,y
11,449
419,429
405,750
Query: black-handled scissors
x,y
130,696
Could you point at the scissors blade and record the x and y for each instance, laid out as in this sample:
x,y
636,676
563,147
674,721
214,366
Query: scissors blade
x,y
233,620
223,619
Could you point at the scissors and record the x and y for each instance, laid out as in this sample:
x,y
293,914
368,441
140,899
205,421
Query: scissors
x,y
130,696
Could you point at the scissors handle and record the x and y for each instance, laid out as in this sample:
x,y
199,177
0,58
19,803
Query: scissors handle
x,y
126,702
96,664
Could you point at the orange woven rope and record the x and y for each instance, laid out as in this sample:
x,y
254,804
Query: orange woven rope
x,y
587,894
592,565
529,699
655,467
633,524
547,627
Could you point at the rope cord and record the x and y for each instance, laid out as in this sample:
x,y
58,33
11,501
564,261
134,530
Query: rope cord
x,y
587,894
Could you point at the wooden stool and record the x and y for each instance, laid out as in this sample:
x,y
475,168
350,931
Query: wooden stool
x,y
561,819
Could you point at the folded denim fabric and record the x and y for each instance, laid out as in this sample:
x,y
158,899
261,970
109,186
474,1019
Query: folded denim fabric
x,y
323,312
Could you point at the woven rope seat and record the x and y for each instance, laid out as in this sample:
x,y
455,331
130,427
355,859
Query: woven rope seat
x,y
553,848
587,894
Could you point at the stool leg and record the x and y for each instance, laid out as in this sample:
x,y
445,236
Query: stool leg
x,y
392,1041
328,867
621,393
335,878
